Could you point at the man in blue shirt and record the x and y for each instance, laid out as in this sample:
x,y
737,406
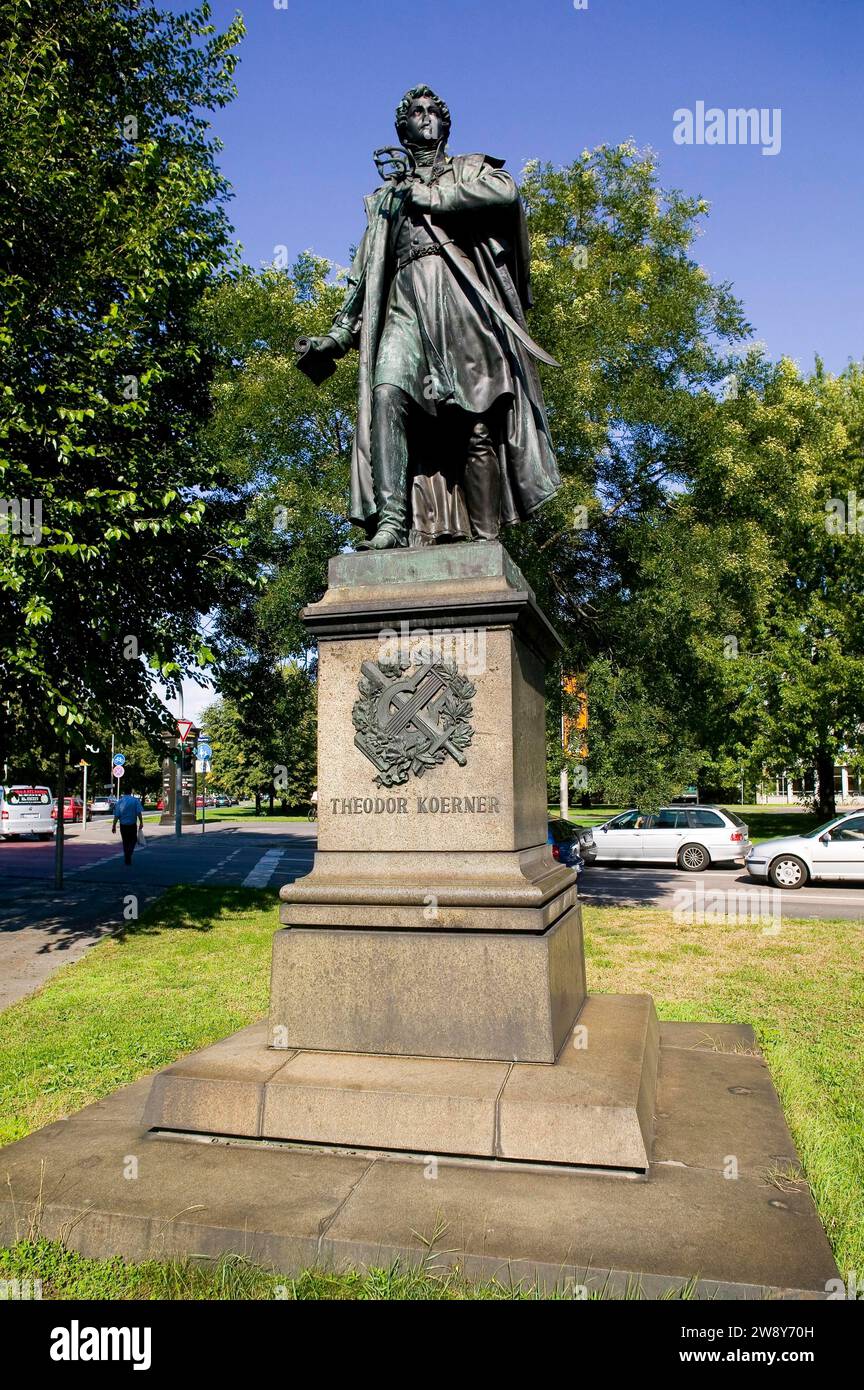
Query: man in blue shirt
x,y
129,813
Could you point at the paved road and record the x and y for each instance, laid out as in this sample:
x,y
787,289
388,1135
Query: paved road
x,y
719,892
41,928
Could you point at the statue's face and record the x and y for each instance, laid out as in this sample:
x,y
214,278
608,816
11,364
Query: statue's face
x,y
423,122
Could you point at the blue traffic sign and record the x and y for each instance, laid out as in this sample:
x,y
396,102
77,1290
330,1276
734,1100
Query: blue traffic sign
x,y
203,752
119,759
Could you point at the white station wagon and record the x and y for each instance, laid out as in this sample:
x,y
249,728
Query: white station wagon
x,y
690,836
833,850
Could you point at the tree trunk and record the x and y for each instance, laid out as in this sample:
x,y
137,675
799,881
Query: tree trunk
x,y
826,803
272,797
257,801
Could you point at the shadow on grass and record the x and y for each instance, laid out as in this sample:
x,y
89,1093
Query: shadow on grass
x,y
199,909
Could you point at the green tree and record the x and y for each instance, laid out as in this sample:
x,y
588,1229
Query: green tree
x,y
264,739
112,224
789,684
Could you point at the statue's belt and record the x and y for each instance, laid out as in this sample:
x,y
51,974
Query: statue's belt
x,y
433,249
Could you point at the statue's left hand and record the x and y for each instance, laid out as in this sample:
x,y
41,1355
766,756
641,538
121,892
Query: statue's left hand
x,y
421,197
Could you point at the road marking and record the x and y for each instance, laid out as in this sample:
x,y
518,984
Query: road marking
x,y
264,870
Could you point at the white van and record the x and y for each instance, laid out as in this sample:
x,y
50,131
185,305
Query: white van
x,y
26,810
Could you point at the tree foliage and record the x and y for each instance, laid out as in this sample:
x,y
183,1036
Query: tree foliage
x,y
112,225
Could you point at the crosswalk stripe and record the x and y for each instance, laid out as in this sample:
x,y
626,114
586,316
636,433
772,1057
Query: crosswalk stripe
x,y
264,870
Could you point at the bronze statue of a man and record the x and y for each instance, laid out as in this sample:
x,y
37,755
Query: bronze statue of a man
x,y
452,440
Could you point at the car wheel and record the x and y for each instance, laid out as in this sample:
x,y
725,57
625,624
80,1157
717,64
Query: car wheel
x,y
693,858
788,871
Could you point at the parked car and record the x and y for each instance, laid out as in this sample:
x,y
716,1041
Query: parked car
x,y
26,809
73,810
572,844
102,805
833,850
690,836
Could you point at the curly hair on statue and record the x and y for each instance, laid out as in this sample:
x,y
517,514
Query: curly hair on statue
x,y
405,106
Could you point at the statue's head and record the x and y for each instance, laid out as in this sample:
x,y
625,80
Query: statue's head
x,y
422,118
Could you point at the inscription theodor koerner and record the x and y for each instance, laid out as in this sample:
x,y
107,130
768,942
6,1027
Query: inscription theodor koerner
x,y
408,720
423,805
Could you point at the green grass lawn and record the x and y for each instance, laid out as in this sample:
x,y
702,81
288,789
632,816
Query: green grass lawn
x,y
196,966
64,1274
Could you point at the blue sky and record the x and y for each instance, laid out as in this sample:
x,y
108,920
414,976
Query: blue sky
x,y
319,79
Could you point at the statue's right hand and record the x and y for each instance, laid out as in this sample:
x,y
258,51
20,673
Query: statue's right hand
x,y
326,345
316,357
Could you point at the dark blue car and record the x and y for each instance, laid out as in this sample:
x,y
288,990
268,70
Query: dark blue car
x,y
572,844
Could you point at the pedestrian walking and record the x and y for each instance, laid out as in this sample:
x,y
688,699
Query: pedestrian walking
x,y
129,814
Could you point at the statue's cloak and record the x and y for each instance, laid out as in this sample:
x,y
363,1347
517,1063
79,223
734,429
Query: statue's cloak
x,y
493,234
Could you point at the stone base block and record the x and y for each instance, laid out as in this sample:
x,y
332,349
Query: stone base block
x,y
291,1207
501,996
520,890
594,1107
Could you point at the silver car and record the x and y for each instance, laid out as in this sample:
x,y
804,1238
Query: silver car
x,y
833,850
26,809
692,837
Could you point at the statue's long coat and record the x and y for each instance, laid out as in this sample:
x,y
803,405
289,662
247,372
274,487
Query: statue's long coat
x,y
479,208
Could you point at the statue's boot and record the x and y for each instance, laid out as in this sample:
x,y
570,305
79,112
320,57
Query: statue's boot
x,y
390,408
483,484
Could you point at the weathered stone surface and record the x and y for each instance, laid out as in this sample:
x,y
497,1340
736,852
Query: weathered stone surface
x,y
429,994
596,1105
422,913
187,1198
528,879
369,569
411,1103
219,1090
592,1108
733,1237
292,1208
700,1125
441,587
737,1038
495,802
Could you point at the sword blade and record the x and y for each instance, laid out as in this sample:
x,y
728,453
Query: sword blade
x,y
488,298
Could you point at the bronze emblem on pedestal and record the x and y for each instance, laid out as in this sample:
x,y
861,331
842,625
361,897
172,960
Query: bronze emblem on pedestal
x,y
409,718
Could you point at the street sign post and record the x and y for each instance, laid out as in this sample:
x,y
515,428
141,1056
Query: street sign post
x,y
85,765
203,752
184,727
118,761
119,772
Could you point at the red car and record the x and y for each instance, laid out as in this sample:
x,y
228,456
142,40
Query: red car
x,y
73,809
